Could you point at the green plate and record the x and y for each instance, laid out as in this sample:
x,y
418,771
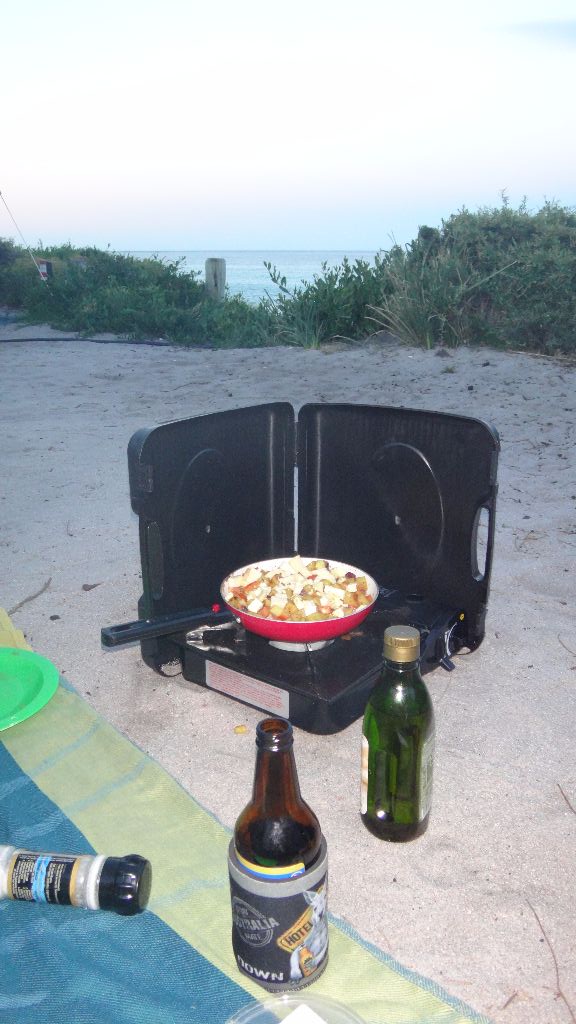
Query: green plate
x,y
27,682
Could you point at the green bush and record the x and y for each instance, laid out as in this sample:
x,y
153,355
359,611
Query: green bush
x,y
93,291
8,254
500,277
334,304
235,323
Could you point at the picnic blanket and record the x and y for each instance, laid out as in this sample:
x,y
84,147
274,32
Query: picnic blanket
x,y
69,782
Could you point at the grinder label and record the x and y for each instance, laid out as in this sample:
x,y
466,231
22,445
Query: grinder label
x,y
41,878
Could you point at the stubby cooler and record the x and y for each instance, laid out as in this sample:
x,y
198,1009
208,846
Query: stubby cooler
x,y
280,928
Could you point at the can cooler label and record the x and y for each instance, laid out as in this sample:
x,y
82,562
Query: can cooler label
x,y
280,941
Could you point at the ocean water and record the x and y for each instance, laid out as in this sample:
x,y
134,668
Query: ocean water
x,y
246,274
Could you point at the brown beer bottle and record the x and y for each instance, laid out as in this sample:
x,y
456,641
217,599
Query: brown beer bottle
x,y
277,835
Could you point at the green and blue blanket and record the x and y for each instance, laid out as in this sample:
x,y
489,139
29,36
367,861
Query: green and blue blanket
x,y
69,782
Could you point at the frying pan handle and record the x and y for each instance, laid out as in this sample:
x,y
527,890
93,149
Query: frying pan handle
x,y
162,625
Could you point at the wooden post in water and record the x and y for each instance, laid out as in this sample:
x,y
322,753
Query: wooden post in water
x,y
215,272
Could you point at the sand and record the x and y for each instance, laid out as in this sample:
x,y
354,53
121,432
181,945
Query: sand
x,y
466,905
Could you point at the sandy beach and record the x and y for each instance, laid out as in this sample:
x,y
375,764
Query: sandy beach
x,y
484,904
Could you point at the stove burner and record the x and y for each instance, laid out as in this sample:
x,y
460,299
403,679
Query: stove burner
x,y
283,645
321,687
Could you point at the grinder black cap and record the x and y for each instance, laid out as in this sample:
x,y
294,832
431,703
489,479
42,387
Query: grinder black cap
x,y
125,884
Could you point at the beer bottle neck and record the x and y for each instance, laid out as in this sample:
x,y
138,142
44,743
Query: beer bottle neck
x,y
275,778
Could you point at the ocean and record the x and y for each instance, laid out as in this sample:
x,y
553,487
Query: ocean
x,y
246,274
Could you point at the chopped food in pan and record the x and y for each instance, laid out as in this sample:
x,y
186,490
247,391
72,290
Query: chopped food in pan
x,y
298,591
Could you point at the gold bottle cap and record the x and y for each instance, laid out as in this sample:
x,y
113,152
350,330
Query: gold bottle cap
x,y
401,643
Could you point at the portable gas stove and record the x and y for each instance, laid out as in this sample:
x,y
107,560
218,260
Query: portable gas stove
x,y
405,495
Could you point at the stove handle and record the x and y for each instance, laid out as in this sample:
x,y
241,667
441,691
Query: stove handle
x,y
162,625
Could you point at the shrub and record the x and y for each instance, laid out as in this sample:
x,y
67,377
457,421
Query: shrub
x,y
235,323
334,304
8,253
94,291
498,277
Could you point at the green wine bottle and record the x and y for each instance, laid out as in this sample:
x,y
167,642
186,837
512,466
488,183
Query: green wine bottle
x,y
398,743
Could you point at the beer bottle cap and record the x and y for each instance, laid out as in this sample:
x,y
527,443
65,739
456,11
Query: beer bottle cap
x,y
401,643
125,884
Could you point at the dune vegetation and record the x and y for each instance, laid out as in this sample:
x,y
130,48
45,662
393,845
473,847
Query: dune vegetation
x,y
499,277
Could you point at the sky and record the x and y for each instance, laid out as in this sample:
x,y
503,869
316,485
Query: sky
x,y
255,124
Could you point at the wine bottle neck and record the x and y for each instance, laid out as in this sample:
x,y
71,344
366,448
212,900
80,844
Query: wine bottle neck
x,y
402,666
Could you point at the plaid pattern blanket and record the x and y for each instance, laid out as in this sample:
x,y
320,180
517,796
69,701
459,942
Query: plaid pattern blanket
x,y
69,782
